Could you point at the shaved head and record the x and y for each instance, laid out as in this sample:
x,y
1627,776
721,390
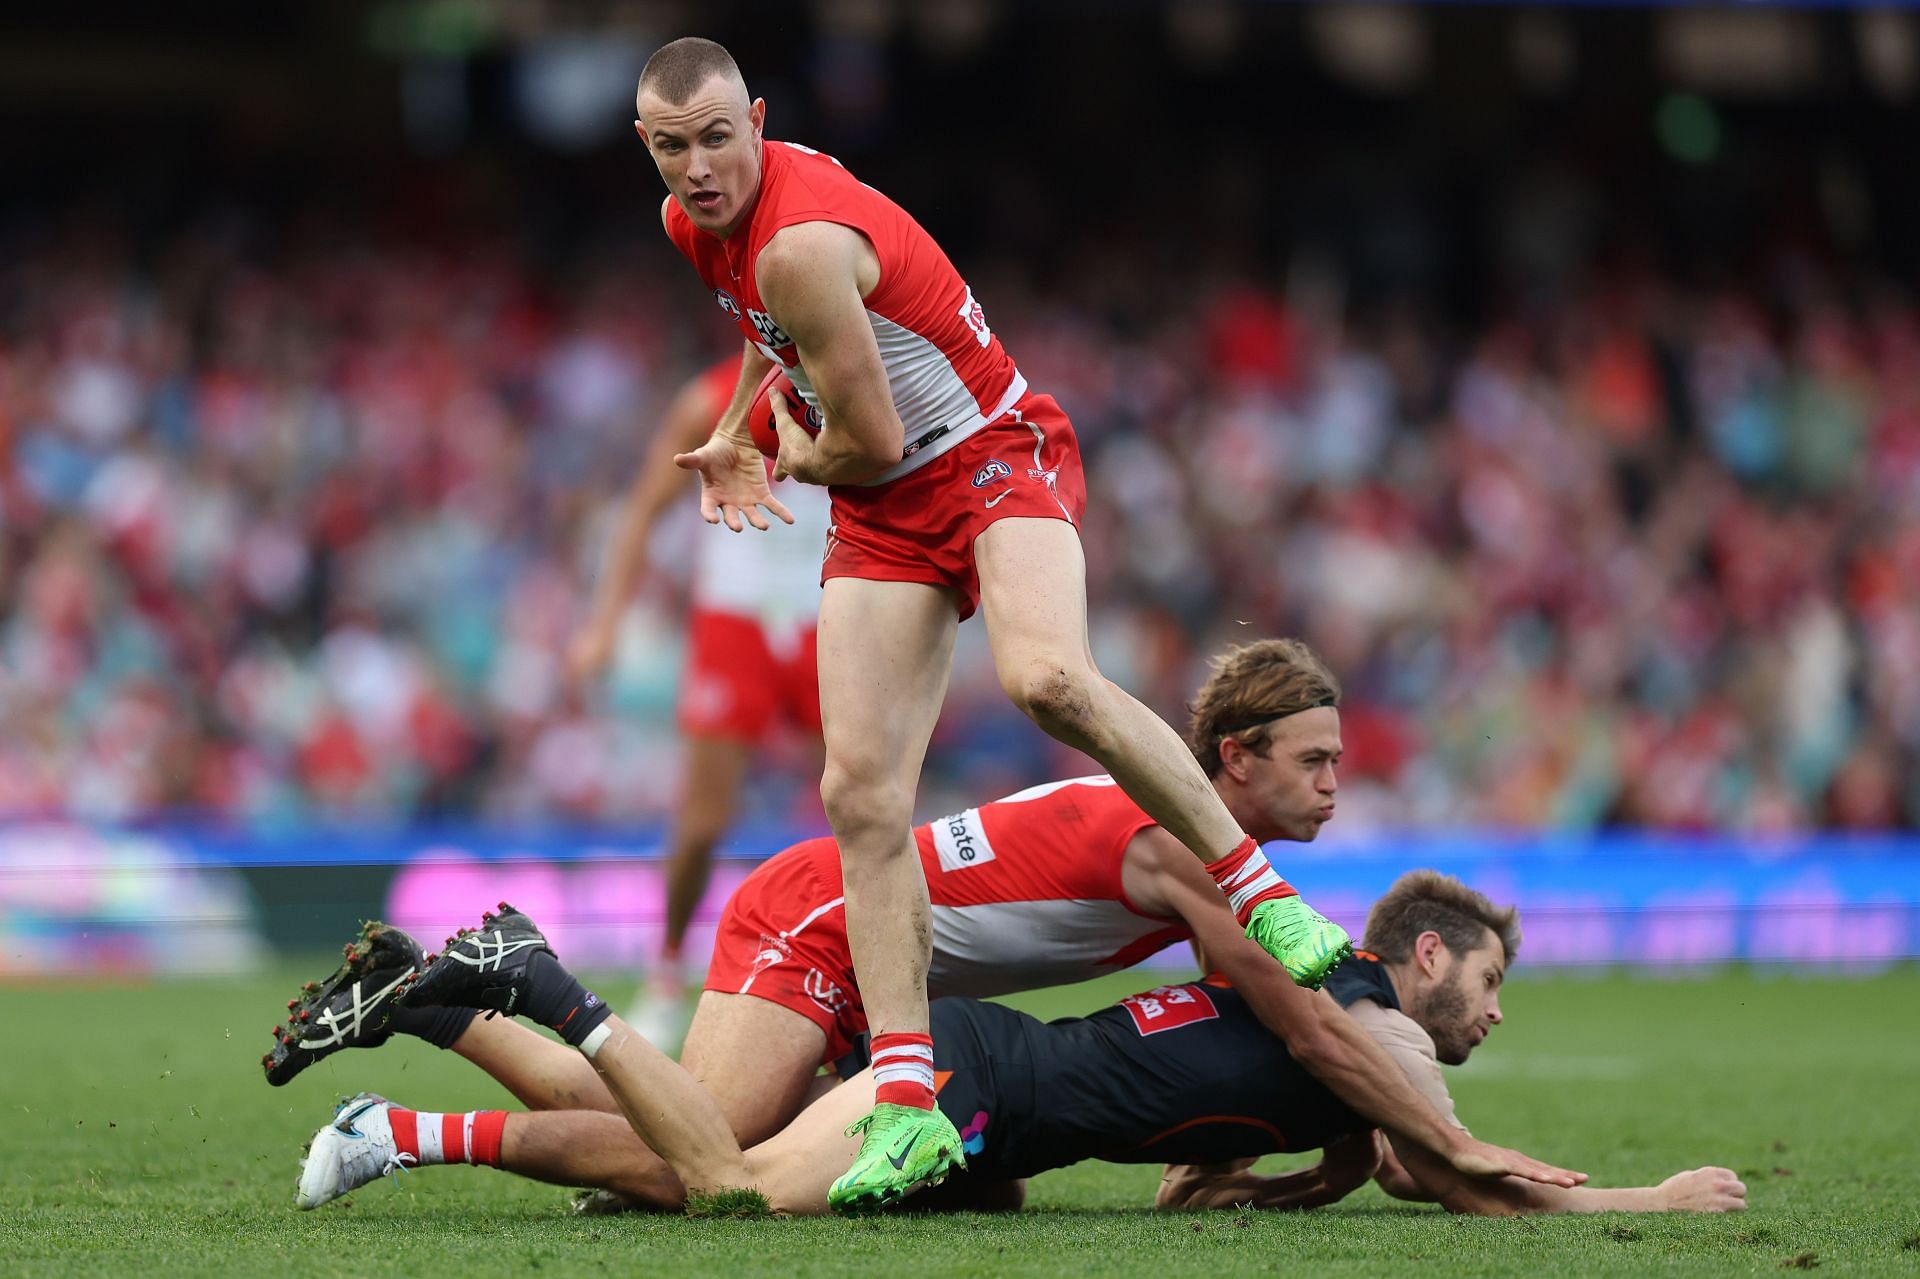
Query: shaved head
x,y
676,71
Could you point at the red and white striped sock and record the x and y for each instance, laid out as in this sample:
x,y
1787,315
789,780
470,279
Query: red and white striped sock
x,y
472,1138
903,1069
1248,879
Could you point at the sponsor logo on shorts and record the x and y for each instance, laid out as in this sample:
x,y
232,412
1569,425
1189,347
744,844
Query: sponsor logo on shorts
x,y
975,319
824,991
962,841
1169,1008
727,304
995,469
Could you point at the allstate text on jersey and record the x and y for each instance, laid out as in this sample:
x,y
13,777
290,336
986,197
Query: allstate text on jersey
x,y
961,841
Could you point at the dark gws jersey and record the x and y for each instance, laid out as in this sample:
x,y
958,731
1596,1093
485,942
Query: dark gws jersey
x,y
1363,977
1179,1074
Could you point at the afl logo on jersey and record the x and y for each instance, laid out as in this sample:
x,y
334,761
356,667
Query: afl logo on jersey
x,y
727,304
995,469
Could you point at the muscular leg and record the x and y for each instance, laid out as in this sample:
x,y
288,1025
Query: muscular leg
x,y
541,1073
1033,595
755,1058
714,769
885,652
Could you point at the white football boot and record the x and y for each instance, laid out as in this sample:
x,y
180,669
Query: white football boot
x,y
355,1148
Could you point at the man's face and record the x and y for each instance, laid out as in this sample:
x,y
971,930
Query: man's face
x,y
707,150
1289,787
1460,1004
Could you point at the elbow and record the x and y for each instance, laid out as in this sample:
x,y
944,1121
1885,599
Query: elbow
x,y
890,451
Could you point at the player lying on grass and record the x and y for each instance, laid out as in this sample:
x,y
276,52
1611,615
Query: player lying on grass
x,y
1056,884
1426,987
1182,1073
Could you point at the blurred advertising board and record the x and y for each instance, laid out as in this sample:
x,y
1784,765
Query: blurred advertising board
x,y
80,899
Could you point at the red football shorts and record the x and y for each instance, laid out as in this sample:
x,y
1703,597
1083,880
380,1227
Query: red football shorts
x,y
738,685
783,938
920,528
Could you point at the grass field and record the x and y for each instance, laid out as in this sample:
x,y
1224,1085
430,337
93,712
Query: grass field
x,y
139,1137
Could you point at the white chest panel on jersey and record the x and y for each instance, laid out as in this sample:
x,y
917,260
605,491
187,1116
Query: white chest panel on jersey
x,y
1002,947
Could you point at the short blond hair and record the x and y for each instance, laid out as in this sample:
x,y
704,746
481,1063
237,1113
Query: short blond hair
x,y
1248,687
1423,901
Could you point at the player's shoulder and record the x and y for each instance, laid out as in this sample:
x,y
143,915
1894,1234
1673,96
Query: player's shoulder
x,y
1393,1029
796,250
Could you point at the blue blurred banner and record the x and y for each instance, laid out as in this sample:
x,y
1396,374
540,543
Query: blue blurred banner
x,y
77,899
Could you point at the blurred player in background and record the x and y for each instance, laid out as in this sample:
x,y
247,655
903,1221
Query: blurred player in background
x,y
750,666
953,486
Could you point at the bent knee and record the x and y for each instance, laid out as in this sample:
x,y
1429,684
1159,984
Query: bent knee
x,y
859,799
1056,696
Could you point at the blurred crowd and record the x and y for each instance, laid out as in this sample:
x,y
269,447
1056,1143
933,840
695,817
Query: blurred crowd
x,y
298,526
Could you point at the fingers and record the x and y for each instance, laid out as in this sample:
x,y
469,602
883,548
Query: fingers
x,y
1519,1165
778,507
688,461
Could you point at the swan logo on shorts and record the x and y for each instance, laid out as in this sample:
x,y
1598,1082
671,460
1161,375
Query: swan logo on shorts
x,y
772,951
727,304
961,841
995,469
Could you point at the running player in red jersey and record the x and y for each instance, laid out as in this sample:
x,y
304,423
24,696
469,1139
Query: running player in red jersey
x,y
750,665
954,486
1055,884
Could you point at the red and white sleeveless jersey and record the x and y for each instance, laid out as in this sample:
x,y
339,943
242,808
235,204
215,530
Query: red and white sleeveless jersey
x,y
1027,891
948,373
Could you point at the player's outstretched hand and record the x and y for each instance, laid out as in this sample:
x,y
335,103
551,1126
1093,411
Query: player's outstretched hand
x,y
1480,1159
733,483
591,648
1704,1190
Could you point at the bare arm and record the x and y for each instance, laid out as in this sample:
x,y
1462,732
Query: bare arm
x,y
811,277
1162,877
687,423
1408,1172
1344,1167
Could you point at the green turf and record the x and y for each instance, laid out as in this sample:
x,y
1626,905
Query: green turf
x,y
139,1136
